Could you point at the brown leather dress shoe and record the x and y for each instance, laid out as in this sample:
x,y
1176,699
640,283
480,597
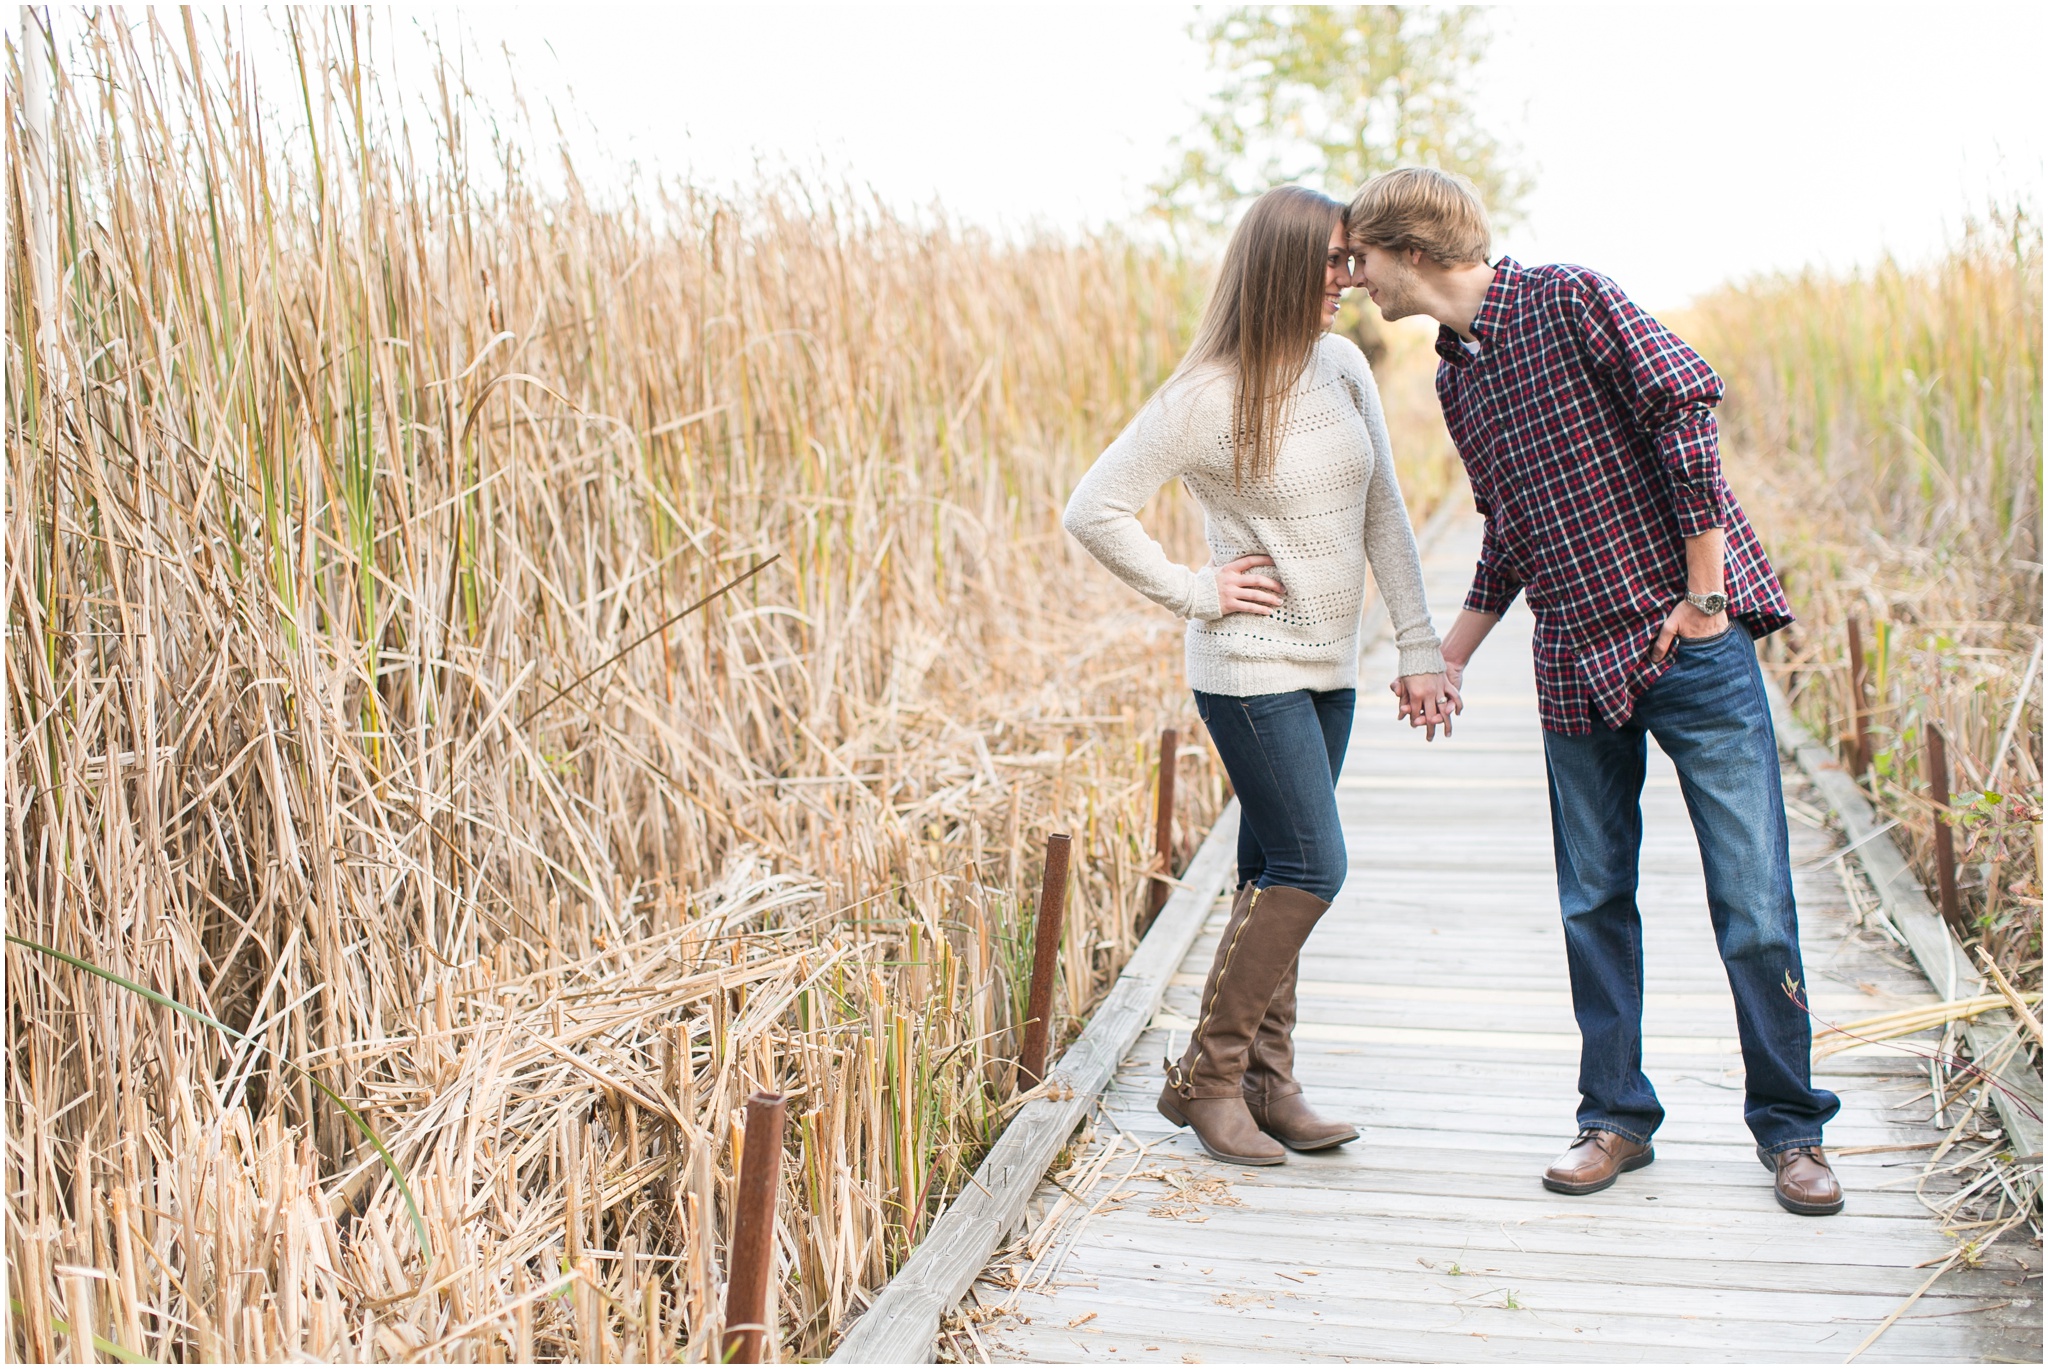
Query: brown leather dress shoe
x,y
1595,1160
1805,1183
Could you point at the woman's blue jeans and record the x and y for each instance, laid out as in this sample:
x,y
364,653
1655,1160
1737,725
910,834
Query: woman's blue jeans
x,y
1283,753
1709,714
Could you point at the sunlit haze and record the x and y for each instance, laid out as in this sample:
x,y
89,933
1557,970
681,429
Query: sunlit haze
x,y
1673,147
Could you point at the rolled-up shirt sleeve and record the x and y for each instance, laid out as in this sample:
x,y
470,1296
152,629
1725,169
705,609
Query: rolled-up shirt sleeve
x,y
1670,393
1691,457
1494,581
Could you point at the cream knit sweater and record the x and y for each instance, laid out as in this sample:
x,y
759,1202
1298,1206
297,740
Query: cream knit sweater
x,y
1330,505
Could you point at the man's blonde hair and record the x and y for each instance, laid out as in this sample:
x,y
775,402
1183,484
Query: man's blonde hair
x,y
1420,207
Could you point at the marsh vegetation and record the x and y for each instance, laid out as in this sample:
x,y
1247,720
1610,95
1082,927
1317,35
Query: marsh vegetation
x,y
546,664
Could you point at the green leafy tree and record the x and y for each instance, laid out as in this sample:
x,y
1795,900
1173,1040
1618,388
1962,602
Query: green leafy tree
x,y
1330,95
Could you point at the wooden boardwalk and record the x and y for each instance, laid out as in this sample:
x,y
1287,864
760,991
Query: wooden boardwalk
x,y
1435,1014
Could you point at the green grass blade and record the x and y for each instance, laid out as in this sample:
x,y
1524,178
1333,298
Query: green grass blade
x,y
419,1224
100,1343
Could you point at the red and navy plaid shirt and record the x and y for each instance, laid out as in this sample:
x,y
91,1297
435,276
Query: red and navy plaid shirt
x,y
1588,432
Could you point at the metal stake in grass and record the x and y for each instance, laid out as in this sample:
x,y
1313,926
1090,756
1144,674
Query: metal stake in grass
x,y
1052,913
1944,835
1859,713
753,1231
1169,752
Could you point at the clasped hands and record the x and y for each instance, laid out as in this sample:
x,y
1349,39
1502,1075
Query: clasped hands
x,y
1247,585
1429,701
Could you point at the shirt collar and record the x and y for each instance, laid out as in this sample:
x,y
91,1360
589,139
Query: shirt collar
x,y
1507,277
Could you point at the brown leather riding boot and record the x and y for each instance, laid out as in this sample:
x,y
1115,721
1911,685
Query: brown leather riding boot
x,y
1270,1088
1804,1181
1205,1090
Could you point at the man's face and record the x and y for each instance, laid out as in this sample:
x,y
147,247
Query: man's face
x,y
1389,279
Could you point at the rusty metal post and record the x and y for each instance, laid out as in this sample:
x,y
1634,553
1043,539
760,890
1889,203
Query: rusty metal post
x,y
1052,914
1859,710
752,1267
1944,835
1169,755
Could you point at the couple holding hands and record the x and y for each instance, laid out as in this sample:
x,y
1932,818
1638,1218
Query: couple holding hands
x,y
1587,431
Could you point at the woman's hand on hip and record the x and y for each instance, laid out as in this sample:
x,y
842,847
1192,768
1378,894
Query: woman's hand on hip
x,y
1428,702
1239,590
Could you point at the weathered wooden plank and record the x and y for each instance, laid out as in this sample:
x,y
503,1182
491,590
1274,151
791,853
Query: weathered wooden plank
x,y
1906,904
1398,1093
1458,1039
1152,1347
1142,1256
1423,783
1491,1331
1402,1072
1416,1299
1677,1139
1443,972
902,1325
1698,1190
1712,1030
1631,1216
1395,1093
1240,1317
1272,1230
1544,1121
1506,1194
1463,997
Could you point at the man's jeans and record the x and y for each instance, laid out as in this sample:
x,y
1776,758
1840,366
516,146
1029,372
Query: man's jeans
x,y
1709,714
1283,752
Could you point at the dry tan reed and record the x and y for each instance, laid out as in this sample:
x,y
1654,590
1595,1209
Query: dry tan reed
x,y
349,448
1886,429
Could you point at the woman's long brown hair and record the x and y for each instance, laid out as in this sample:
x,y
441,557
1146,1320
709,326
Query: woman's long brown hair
x,y
1265,315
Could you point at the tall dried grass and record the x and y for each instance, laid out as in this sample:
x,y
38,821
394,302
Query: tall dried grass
x,y
1886,429
352,473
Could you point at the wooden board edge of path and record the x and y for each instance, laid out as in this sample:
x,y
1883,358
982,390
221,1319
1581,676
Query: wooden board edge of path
x,y
1934,946
902,1327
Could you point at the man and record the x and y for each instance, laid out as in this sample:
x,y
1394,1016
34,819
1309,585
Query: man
x,y
1587,430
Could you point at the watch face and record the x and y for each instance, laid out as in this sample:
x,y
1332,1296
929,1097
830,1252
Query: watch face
x,y
1709,603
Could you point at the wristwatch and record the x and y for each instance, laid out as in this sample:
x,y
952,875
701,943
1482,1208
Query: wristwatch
x,y
1709,604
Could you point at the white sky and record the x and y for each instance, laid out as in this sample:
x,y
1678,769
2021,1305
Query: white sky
x,y
1674,146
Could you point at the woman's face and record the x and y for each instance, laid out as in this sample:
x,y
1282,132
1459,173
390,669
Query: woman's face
x,y
1336,273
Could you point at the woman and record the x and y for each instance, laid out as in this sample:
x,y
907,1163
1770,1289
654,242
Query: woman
x,y
1274,426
